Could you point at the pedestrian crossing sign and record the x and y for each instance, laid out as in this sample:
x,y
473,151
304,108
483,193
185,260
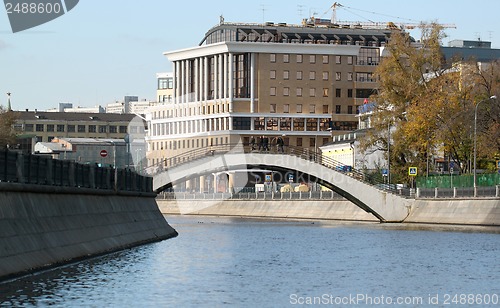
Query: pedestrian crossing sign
x,y
412,171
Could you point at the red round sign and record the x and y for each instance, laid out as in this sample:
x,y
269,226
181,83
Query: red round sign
x,y
103,153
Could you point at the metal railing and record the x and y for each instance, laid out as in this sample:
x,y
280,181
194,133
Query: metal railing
x,y
457,192
310,195
304,153
16,167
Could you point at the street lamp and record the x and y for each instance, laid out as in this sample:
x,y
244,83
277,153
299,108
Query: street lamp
x,y
475,141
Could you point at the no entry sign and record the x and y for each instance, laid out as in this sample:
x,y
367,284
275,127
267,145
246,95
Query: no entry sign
x,y
103,153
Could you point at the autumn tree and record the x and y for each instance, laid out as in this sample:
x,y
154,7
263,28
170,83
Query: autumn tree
x,y
426,104
7,119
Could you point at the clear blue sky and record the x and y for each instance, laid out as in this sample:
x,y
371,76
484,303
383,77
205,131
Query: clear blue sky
x,y
103,50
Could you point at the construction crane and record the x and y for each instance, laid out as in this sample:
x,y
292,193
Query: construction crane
x,y
334,22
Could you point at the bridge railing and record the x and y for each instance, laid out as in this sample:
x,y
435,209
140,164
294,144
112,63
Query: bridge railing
x,y
17,167
311,195
304,153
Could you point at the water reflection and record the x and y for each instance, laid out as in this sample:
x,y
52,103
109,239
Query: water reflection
x,y
216,261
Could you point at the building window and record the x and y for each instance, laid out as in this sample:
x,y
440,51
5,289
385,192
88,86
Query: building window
x,y
39,127
299,142
272,74
113,129
325,109
299,108
272,108
50,127
28,127
299,58
272,123
286,75
338,76
337,109
312,92
273,57
81,128
349,76
312,125
92,128
286,91
325,141
312,142
71,128
312,59
338,92
286,108
240,123
312,75
299,75
312,108
299,92
286,58
325,92
102,129
298,124
285,124
325,75
273,91
325,59
338,60
349,92
349,60
259,124
349,109
123,129
60,128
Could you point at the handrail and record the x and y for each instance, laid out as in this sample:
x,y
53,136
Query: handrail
x,y
304,153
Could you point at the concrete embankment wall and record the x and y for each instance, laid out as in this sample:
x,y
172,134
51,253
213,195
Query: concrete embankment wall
x,y
461,212
300,209
41,226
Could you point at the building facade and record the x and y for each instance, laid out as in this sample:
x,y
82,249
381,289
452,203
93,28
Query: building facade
x,y
248,80
38,126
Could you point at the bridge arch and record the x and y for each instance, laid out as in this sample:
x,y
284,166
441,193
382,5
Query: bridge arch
x,y
384,205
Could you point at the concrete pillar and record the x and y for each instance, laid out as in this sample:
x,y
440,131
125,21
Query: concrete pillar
x,y
417,195
436,193
216,177
231,82
221,76
20,168
176,82
231,183
225,74
205,79
252,83
189,185
182,82
196,89
454,192
498,191
202,184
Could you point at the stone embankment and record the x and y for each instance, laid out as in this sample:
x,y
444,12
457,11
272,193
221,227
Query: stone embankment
x,y
43,226
482,212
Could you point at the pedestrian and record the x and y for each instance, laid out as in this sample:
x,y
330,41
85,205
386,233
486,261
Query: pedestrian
x,y
252,143
280,144
266,143
261,143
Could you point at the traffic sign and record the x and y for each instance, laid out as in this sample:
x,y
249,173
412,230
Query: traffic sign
x,y
268,178
498,164
103,153
385,172
290,178
412,171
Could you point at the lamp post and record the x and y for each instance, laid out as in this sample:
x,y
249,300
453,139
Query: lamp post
x,y
475,141
114,165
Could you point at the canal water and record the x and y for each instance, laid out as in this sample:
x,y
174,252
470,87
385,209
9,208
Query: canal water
x,y
218,262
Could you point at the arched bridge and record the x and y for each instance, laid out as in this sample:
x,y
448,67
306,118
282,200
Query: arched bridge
x,y
351,184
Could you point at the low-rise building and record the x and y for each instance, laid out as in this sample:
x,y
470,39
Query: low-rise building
x,y
45,126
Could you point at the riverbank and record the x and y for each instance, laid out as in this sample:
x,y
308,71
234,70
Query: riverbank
x,y
43,226
478,212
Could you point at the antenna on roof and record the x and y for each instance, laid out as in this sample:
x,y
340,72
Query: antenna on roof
x,y
263,9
